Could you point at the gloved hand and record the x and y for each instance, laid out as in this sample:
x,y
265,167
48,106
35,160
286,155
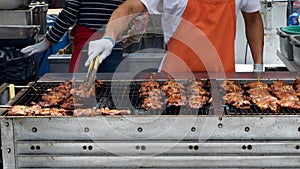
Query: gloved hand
x,y
103,47
258,68
37,48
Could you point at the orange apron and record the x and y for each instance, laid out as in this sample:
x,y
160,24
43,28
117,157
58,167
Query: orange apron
x,y
204,39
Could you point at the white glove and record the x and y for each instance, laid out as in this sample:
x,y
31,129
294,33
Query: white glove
x,y
103,47
258,68
37,48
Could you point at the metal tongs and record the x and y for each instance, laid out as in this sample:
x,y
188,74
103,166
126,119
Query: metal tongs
x,y
91,74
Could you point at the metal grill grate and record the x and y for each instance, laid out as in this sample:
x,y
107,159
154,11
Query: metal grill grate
x,y
255,110
115,95
34,93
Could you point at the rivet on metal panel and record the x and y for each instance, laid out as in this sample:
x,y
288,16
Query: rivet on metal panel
x,y
34,129
220,125
196,147
143,147
7,124
140,129
190,147
193,129
86,129
247,129
38,147
90,147
299,129
244,147
8,150
32,147
249,147
84,147
137,147
297,147
220,118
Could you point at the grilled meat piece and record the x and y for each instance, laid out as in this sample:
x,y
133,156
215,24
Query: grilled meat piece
x,y
263,99
259,91
296,85
154,93
197,90
256,84
290,104
107,111
83,91
153,104
52,112
198,96
171,84
237,100
287,95
35,110
97,112
277,84
230,86
85,112
197,102
151,95
152,99
282,86
267,102
234,95
18,110
174,93
283,95
150,84
176,100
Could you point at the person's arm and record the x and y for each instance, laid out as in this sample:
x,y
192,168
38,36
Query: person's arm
x,y
117,23
255,35
121,17
64,20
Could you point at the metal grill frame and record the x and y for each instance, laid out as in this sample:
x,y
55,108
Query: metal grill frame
x,y
148,141
122,90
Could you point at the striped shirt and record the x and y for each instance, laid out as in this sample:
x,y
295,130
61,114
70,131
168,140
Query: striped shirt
x,y
93,14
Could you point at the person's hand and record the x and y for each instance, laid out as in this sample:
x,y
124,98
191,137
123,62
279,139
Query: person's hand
x,y
258,68
37,48
103,47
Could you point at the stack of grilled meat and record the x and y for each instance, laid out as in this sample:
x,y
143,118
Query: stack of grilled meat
x,y
272,97
59,101
173,93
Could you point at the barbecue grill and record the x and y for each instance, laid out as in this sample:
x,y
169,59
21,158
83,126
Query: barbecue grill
x,y
216,135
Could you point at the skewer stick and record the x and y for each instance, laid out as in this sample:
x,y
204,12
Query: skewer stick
x,y
5,107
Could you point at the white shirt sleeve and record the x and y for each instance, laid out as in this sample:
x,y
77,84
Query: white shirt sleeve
x,y
154,7
248,6
171,12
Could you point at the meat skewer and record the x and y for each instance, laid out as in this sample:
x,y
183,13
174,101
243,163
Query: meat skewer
x,y
235,95
198,95
151,95
174,93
